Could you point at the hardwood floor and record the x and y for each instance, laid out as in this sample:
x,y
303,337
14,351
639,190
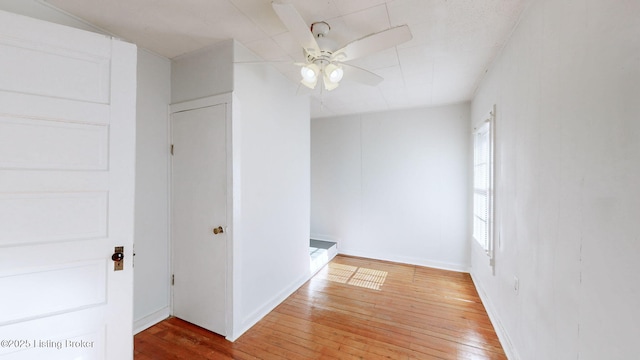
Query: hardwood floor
x,y
418,313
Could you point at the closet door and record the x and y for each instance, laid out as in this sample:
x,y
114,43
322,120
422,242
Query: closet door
x,y
199,216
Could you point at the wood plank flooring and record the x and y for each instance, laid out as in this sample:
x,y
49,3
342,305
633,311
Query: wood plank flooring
x,y
417,313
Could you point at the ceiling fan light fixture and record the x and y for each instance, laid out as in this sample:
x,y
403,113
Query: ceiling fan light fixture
x,y
334,72
328,84
310,84
309,72
309,75
322,58
332,75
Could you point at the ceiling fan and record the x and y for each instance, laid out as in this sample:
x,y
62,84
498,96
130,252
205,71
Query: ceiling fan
x,y
324,60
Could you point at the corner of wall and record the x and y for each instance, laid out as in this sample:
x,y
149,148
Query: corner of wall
x,y
151,319
250,320
151,285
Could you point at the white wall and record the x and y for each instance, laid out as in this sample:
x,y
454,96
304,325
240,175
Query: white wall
x,y
151,290
202,73
394,185
568,201
271,190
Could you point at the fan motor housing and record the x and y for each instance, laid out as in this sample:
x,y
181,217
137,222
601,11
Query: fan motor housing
x,y
327,46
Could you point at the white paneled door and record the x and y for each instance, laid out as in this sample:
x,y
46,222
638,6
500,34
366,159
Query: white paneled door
x,y
199,216
67,149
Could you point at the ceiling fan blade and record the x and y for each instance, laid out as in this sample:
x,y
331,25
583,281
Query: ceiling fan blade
x,y
296,25
354,73
373,43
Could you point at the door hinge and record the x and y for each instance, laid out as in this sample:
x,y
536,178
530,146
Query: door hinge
x,y
173,279
171,149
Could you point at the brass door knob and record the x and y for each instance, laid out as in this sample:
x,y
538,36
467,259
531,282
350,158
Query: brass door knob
x,y
218,230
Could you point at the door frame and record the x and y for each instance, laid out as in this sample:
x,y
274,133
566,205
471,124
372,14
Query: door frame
x,y
215,100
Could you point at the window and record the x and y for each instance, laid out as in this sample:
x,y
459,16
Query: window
x,y
483,184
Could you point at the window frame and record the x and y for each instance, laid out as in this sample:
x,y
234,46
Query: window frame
x,y
483,186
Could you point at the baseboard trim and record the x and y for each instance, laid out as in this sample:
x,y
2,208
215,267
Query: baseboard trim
x,y
150,320
505,341
263,311
408,260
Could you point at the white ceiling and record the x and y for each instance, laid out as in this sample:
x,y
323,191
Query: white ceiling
x,y
454,41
